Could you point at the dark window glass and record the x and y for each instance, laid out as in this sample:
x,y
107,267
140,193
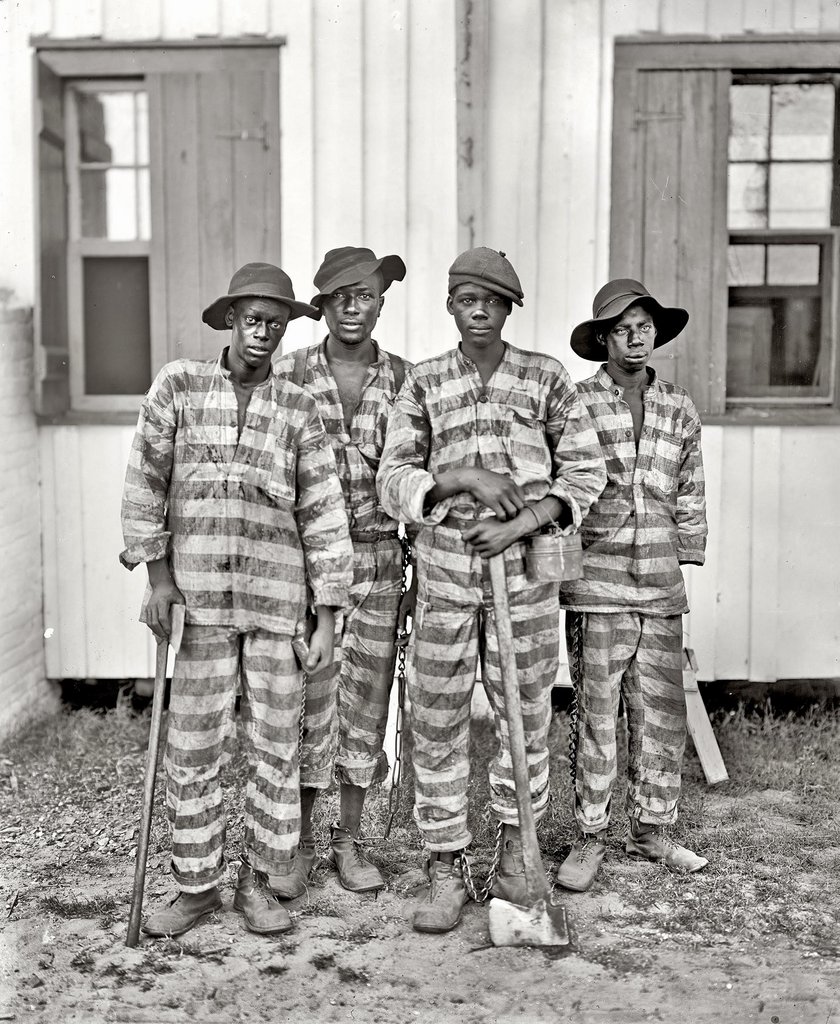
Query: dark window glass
x,y
116,324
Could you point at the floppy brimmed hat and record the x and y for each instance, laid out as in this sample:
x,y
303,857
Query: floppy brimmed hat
x,y
257,281
488,268
611,301
350,264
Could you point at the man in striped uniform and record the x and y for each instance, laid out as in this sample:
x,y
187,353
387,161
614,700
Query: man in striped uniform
x,y
624,619
232,500
486,444
354,383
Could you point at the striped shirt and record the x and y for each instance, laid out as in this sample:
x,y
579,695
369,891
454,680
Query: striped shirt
x,y
652,514
526,423
246,521
358,451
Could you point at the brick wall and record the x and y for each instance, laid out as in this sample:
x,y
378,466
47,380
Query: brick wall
x,y
24,692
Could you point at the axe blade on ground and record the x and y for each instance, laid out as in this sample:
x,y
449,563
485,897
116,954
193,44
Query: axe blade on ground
x,y
539,925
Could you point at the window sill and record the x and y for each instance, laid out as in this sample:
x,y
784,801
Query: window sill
x,y
773,416
80,418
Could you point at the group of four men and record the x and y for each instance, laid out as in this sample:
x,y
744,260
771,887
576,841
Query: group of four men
x,y
268,499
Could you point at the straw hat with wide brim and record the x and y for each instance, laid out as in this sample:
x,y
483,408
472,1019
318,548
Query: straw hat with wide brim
x,y
611,301
257,281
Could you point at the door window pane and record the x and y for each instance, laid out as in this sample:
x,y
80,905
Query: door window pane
x,y
748,195
803,121
800,195
749,122
117,336
793,264
745,264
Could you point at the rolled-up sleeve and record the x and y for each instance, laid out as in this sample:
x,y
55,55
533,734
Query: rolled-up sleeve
x,y
148,475
579,470
403,481
321,518
691,493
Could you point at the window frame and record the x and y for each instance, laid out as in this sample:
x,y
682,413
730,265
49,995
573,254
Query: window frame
x,y
728,57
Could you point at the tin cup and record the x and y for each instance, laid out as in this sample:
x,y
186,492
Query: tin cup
x,y
554,557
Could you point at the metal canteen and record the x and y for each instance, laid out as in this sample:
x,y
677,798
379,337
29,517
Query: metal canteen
x,y
554,557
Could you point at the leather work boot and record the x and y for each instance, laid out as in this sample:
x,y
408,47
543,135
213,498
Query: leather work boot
x,y
509,883
182,913
355,871
441,909
578,870
288,887
650,842
262,913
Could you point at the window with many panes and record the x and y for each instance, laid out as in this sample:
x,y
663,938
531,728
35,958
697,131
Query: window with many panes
x,y
726,200
158,171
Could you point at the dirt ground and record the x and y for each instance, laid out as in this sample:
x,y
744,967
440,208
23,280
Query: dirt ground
x,y
752,938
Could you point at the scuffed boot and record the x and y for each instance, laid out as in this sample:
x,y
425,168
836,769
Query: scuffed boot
x,y
440,911
509,883
262,913
355,872
578,870
650,842
288,887
182,913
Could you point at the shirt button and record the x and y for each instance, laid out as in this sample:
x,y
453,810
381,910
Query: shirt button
x,y
616,392
628,433
632,512
483,398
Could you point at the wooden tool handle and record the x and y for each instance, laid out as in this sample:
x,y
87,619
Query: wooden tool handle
x,y
534,871
133,936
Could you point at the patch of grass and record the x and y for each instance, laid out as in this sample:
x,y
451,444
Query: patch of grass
x,y
351,976
83,962
104,907
322,961
272,970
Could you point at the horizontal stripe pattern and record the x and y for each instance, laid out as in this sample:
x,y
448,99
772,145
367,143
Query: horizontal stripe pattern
x,y
210,662
527,423
640,658
247,521
454,627
358,450
652,514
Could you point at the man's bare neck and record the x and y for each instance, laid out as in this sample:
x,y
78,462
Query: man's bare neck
x,y
485,358
339,352
247,376
637,380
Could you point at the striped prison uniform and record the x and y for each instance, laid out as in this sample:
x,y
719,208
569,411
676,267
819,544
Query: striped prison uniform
x,y
526,423
254,528
347,703
629,604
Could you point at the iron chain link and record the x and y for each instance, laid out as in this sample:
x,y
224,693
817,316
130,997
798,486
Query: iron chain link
x,y
576,672
481,895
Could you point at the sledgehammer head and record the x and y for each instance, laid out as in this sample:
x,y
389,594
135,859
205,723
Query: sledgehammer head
x,y
539,925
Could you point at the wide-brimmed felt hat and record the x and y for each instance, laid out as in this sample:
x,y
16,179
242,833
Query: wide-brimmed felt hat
x,y
350,264
611,301
488,268
257,281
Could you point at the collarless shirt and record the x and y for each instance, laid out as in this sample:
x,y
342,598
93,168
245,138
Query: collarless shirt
x,y
253,523
527,423
358,450
652,514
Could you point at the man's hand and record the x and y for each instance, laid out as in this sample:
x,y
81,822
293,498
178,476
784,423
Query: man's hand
x,y
322,640
408,603
499,493
492,536
158,619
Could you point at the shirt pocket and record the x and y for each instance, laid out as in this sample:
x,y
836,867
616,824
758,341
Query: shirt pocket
x,y
281,478
524,432
664,472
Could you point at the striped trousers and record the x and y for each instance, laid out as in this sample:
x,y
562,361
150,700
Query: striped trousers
x,y
455,627
347,703
209,663
640,658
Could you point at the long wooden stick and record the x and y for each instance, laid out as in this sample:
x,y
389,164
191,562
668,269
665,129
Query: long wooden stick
x,y
534,872
133,936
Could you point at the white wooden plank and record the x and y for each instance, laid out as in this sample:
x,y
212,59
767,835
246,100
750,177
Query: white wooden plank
x,y
245,18
294,20
782,15
385,150
699,726
76,18
432,188
49,547
41,17
339,111
512,151
127,19
724,17
733,583
701,623
806,15
809,554
188,19
764,568
758,15
682,16
830,16
71,634
647,15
